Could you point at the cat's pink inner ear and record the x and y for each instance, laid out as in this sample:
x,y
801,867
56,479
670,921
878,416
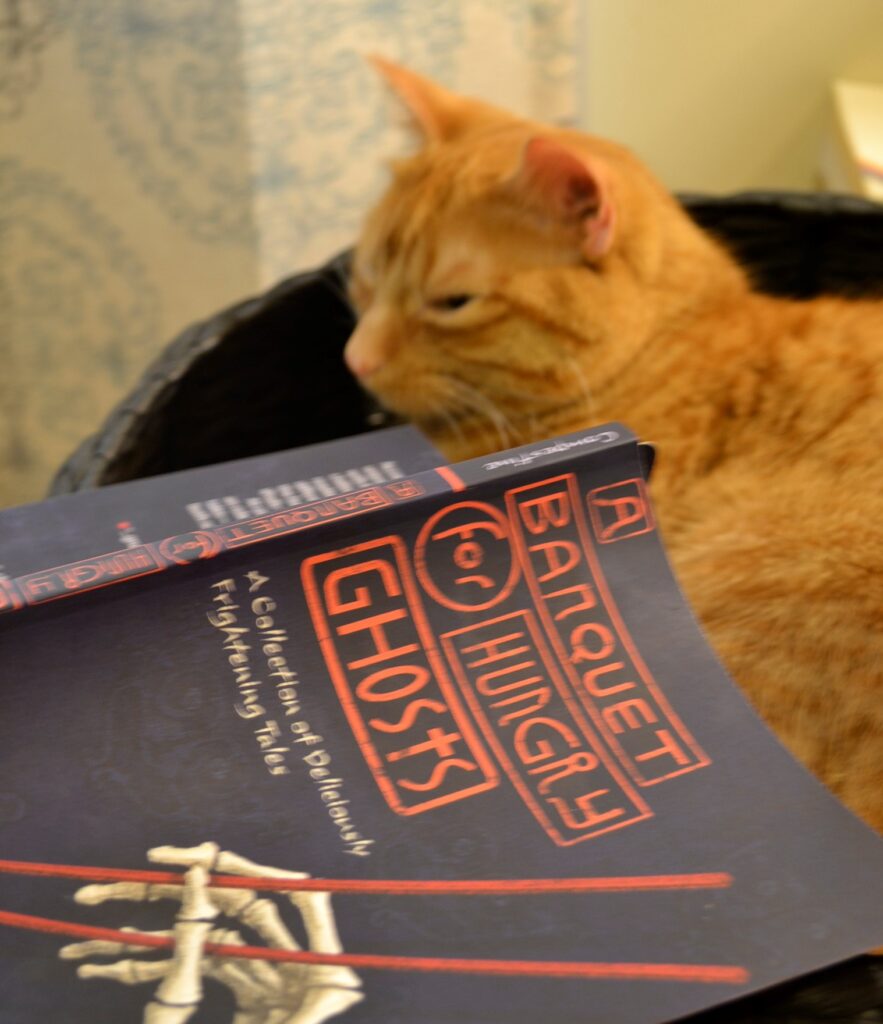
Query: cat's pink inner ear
x,y
432,108
571,189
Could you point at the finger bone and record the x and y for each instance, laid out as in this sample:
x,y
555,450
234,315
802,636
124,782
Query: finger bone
x,y
129,972
185,856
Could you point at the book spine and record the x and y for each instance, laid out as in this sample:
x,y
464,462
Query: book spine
x,y
124,566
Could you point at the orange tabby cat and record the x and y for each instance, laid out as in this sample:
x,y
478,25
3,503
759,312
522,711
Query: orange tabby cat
x,y
519,281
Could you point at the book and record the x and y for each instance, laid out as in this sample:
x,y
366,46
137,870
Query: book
x,y
348,732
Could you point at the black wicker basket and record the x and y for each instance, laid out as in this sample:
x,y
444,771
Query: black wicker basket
x,y
267,374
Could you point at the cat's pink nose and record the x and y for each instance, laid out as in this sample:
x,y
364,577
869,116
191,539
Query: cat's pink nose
x,y
359,363
361,356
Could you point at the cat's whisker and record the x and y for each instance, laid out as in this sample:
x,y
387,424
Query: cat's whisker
x,y
470,398
518,393
586,391
456,406
498,415
455,427
538,398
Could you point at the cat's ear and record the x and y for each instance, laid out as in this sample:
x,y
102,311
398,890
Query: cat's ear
x,y
569,188
436,113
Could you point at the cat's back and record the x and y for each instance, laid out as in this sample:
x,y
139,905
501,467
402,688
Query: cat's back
x,y
820,384
779,543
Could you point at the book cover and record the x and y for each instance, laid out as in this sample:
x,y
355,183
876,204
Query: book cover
x,y
449,747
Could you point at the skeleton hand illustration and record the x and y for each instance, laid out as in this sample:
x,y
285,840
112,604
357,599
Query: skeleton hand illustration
x,y
265,993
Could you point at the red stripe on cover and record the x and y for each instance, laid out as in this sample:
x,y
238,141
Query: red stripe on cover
x,y
385,887
719,974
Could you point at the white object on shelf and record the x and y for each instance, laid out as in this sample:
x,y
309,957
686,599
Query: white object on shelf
x,y
852,155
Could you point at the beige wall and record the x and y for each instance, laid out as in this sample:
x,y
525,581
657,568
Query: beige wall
x,y
720,96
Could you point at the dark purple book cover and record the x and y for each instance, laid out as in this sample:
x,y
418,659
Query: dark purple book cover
x,y
447,747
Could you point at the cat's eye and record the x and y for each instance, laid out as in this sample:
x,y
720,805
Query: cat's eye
x,y
448,303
